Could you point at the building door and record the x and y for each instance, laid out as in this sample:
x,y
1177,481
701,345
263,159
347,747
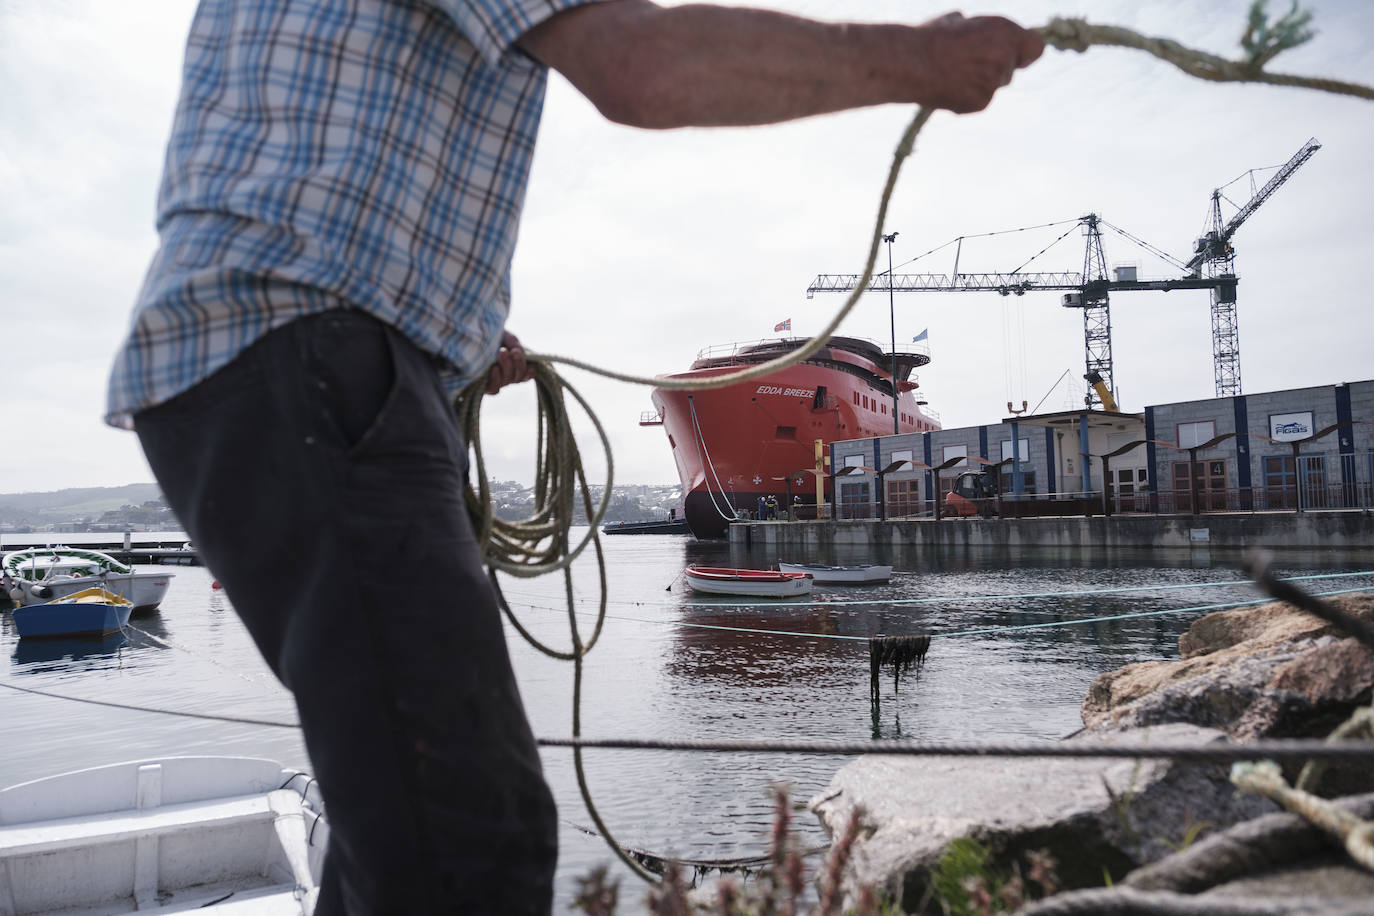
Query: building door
x,y
1131,486
1207,477
903,498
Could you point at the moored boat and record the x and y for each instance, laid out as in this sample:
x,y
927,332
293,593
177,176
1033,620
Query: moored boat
x,y
170,835
738,445
859,574
38,574
758,583
89,612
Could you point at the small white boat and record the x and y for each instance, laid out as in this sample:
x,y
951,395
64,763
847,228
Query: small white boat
x,y
759,583
169,835
39,574
89,612
862,574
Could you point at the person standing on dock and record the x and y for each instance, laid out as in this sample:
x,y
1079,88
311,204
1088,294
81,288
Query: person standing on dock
x,y
338,210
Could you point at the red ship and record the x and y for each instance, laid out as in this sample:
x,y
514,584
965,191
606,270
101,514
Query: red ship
x,y
736,444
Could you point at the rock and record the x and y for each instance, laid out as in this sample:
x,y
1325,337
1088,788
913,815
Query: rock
x,y
1271,671
1091,814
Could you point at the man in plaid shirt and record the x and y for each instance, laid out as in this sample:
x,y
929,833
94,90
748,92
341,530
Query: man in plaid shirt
x,y
339,204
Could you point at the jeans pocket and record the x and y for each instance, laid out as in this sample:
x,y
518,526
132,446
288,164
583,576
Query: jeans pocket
x,y
350,371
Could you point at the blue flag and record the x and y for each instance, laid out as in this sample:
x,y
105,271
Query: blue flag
x,y
920,337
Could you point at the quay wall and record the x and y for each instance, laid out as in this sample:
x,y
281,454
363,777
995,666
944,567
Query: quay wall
x,y
1310,530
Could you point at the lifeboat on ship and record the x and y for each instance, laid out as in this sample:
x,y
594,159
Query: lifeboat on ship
x,y
738,445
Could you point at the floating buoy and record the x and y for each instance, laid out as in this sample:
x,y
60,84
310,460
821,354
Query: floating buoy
x,y
215,585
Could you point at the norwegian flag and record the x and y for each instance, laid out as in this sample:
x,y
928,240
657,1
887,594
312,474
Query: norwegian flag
x,y
783,325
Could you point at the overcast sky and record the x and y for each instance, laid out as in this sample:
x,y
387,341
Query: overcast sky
x,y
640,248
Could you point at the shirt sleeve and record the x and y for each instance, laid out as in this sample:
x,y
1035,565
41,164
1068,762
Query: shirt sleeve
x,y
493,26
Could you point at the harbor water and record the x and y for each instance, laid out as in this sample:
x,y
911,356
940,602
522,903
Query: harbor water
x,y
669,664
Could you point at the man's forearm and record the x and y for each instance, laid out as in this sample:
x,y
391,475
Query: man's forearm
x,y
702,65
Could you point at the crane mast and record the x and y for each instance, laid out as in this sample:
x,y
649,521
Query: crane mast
x,y
1215,257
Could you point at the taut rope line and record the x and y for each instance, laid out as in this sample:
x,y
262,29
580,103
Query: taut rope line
x,y
515,547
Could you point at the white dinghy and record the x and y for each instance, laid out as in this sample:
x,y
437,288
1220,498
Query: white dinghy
x,y
862,574
167,835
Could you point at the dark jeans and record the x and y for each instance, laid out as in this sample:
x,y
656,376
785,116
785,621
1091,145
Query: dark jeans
x,y
320,476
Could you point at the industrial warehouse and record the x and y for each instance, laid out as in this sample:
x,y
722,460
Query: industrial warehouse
x,y
1295,450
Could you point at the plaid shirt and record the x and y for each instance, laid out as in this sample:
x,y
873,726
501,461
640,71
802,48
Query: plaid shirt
x,y
337,153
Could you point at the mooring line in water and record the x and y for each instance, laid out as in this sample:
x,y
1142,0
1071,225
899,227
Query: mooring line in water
x,y
978,632
964,599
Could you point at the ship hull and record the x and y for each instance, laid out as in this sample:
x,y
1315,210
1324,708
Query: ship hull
x,y
741,443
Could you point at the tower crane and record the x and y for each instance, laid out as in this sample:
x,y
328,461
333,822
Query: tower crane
x,y
1212,268
1087,290
1214,257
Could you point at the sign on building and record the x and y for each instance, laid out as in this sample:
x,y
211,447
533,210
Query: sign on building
x,y
1285,427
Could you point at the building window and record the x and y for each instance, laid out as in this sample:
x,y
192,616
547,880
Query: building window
x,y
1194,434
1023,446
955,451
901,455
1281,481
1027,481
855,500
853,461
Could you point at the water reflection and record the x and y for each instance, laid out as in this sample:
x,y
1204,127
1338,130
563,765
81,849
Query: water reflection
x,y
90,653
38,656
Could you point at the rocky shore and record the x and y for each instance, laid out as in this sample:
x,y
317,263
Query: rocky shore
x,y
1155,836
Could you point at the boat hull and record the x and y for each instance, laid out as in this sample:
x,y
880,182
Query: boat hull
x,y
863,574
36,621
144,590
166,835
41,574
754,583
739,443
90,612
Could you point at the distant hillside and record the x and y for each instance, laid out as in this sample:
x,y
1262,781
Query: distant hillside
x,y
78,502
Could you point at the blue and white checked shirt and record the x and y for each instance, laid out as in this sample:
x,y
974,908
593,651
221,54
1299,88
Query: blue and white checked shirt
x,y
368,153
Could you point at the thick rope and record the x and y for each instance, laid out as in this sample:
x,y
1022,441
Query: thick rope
x,y
1079,35
1255,846
1128,901
1265,779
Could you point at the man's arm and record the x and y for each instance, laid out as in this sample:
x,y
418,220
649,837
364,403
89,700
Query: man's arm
x,y
703,65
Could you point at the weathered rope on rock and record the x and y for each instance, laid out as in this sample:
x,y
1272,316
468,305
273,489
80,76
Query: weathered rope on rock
x,y
1359,725
1265,843
1128,901
1265,778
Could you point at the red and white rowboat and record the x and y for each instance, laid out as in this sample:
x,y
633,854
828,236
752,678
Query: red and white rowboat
x,y
760,583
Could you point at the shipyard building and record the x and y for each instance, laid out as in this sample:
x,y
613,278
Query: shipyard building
x,y
1298,449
